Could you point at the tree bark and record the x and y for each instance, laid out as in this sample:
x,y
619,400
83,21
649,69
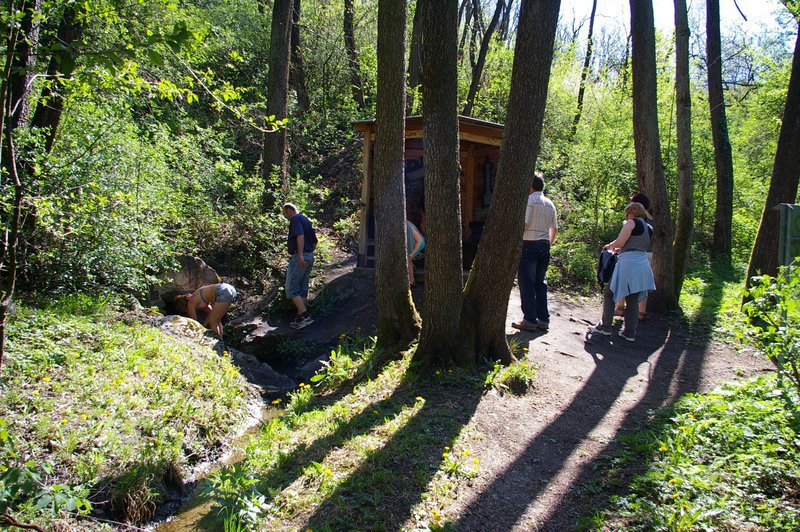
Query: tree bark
x,y
647,145
587,61
443,262
490,281
47,114
683,132
397,320
356,82
723,158
22,70
505,24
297,72
415,57
275,148
784,182
477,70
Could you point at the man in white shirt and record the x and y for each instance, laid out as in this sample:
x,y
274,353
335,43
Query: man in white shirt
x,y
541,225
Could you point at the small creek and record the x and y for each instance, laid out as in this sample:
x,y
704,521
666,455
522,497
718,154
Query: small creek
x,y
195,513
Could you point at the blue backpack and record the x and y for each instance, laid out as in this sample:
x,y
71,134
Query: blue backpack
x,y
605,266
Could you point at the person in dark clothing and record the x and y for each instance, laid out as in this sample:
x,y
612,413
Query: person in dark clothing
x,y
301,242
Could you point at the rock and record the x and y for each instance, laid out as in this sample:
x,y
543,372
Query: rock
x,y
193,273
260,340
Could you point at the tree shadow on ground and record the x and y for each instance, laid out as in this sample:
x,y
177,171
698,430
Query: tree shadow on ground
x,y
385,488
677,370
677,358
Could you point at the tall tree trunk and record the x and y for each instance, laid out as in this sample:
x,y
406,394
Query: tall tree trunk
x,y
356,82
297,72
649,167
22,70
275,148
505,24
415,58
683,132
466,10
397,322
11,220
723,158
477,71
587,61
785,175
443,262
48,112
483,316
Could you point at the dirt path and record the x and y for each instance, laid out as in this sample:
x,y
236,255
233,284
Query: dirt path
x,y
539,451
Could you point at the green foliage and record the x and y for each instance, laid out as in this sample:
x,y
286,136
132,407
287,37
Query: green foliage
x,y
773,314
116,409
515,379
352,357
724,461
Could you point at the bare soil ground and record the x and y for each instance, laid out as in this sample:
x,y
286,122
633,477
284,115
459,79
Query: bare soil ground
x,y
540,453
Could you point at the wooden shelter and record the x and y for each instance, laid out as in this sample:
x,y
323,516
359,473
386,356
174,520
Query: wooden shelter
x,y
479,151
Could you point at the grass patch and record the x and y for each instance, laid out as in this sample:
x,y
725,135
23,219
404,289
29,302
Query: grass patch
x,y
728,460
388,455
711,303
110,410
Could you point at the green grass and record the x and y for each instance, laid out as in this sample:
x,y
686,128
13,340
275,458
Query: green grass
x,y
728,460
388,454
111,409
711,303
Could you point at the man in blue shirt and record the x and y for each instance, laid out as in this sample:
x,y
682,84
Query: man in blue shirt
x,y
301,243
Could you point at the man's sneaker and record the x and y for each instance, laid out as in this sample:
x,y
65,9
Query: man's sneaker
x,y
301,320
525,325
605,330
627,336
543,325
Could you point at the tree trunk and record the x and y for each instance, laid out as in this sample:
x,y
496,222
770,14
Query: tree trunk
x,y
477,71
683,132
297,72
649,167
397,321
8,257
22,70
275,149
352,53
784,182
443,262
505,24
587,61
490,281
415,58
723,159
48,112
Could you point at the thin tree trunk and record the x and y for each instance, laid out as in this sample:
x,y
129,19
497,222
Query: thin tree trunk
x,y
483,316
356,82
8,258
22,71
647,145
297,72
397,320
415,58
723,158
443,262
587,61
48,112
477,71
275,148
683,132
505,23
784,182
466,9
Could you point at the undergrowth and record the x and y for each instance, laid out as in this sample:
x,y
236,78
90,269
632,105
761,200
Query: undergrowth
x,y
728,460
103,415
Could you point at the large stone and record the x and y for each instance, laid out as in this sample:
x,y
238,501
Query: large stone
x,y
192,273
